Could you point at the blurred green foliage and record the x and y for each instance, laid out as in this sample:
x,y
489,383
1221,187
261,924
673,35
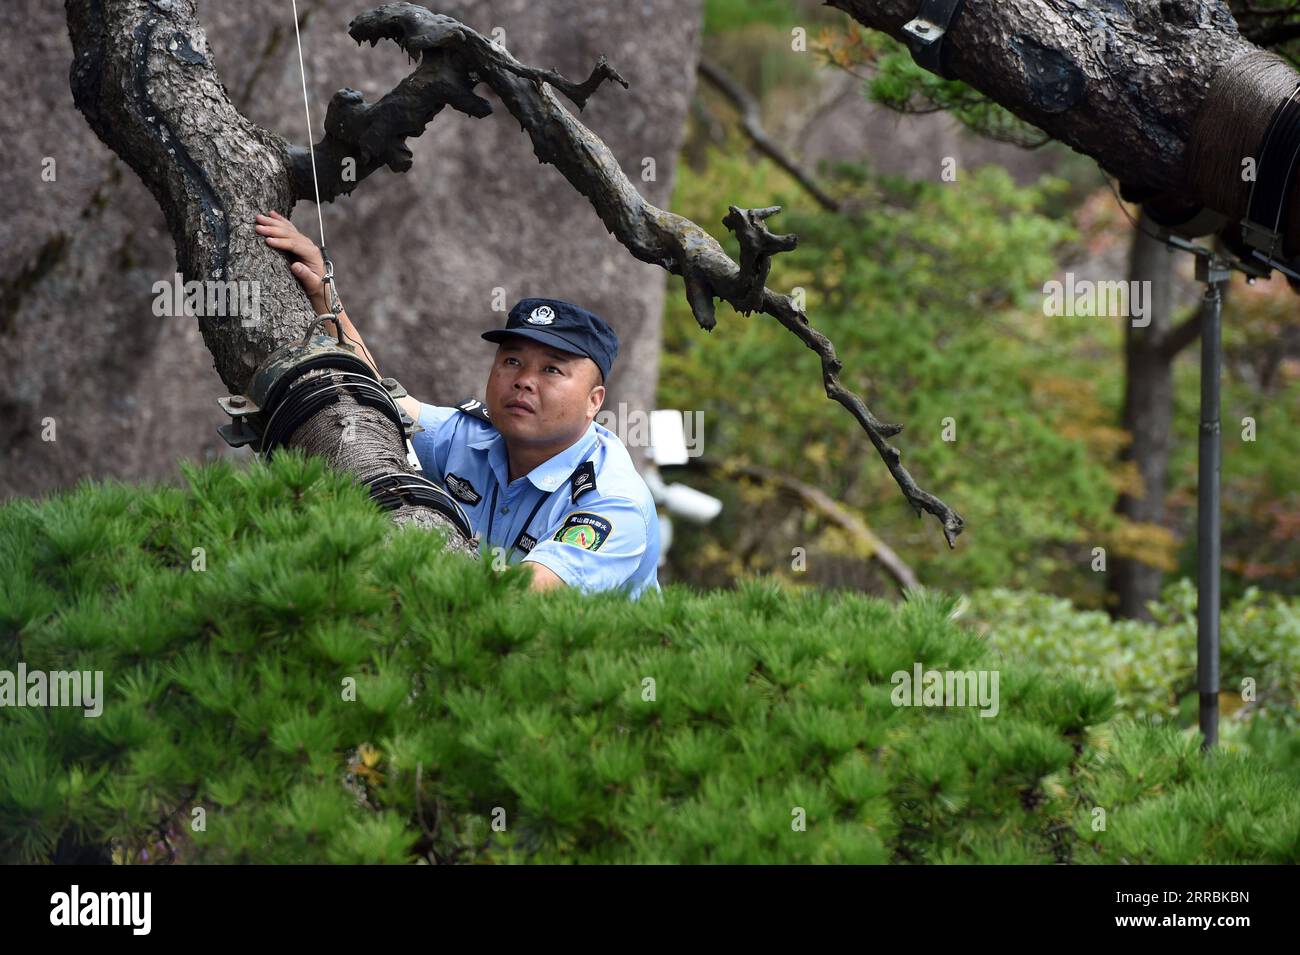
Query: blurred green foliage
x,y
726,15
1152,667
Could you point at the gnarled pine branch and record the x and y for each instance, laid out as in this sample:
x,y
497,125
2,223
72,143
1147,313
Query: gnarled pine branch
x,y
453,58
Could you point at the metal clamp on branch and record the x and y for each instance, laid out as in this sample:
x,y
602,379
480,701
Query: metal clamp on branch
x,y
926,32
300,379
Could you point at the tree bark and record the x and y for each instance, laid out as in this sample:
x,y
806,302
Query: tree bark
x,y
144,80
142,77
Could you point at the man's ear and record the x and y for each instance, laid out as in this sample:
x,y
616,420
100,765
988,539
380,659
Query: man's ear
x,y
595,397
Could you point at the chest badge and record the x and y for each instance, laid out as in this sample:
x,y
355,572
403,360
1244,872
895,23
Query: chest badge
x,y
462,490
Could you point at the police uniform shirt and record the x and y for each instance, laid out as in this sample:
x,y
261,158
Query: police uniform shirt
x,y
593,520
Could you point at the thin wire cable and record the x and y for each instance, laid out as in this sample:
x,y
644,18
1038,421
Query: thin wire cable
x,y
358,341
302,69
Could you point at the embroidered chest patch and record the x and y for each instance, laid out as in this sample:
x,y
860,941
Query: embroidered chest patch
x,y
584,529
461,489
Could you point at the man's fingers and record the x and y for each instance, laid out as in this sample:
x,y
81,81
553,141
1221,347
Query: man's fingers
x,y
310,281
298,245
276,228
281,235
281,242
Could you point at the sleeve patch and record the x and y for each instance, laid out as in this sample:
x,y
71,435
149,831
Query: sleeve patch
x,y
584,529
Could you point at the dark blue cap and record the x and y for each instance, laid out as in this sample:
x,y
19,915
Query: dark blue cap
x,y
561,325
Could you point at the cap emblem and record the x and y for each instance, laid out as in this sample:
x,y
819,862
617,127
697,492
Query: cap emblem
x,y
541,315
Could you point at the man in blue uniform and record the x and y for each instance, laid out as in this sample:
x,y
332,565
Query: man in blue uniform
x,y
540,481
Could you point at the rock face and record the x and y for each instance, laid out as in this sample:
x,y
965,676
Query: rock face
x,y
425,261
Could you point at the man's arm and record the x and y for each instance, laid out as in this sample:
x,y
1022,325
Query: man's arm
x,y
308,268
596,547
543,577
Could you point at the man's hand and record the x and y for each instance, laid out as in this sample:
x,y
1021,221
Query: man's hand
x,y
308,267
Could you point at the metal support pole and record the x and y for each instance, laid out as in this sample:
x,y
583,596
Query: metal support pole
x,y
1208,529
1215,271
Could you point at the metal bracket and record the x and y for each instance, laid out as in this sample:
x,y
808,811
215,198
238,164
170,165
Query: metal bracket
x,y
1260,237
239,431
410,426
237,406
1264,243
926,32
1213,268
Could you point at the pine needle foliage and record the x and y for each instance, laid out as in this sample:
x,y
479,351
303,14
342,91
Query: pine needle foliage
x,y
315,686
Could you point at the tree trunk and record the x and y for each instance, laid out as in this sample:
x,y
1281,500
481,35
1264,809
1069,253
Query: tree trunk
x,y
143,77
1147,417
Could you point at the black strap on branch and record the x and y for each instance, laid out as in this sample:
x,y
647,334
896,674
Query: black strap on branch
x,y
390,490
303,402
1272,188
925,34
395,489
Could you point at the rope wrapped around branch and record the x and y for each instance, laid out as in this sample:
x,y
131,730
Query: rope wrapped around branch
x,y
1227,141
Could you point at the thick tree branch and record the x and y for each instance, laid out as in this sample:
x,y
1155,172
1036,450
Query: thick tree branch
x,y
449,53
1141,87
143,78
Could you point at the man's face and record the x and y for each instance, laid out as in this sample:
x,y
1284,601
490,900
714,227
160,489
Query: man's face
x,y
540,395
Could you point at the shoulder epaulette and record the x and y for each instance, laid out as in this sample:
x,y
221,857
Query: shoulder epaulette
x,y
582,480
475,408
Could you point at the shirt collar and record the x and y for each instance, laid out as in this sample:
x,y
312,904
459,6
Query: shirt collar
x,y
548,475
